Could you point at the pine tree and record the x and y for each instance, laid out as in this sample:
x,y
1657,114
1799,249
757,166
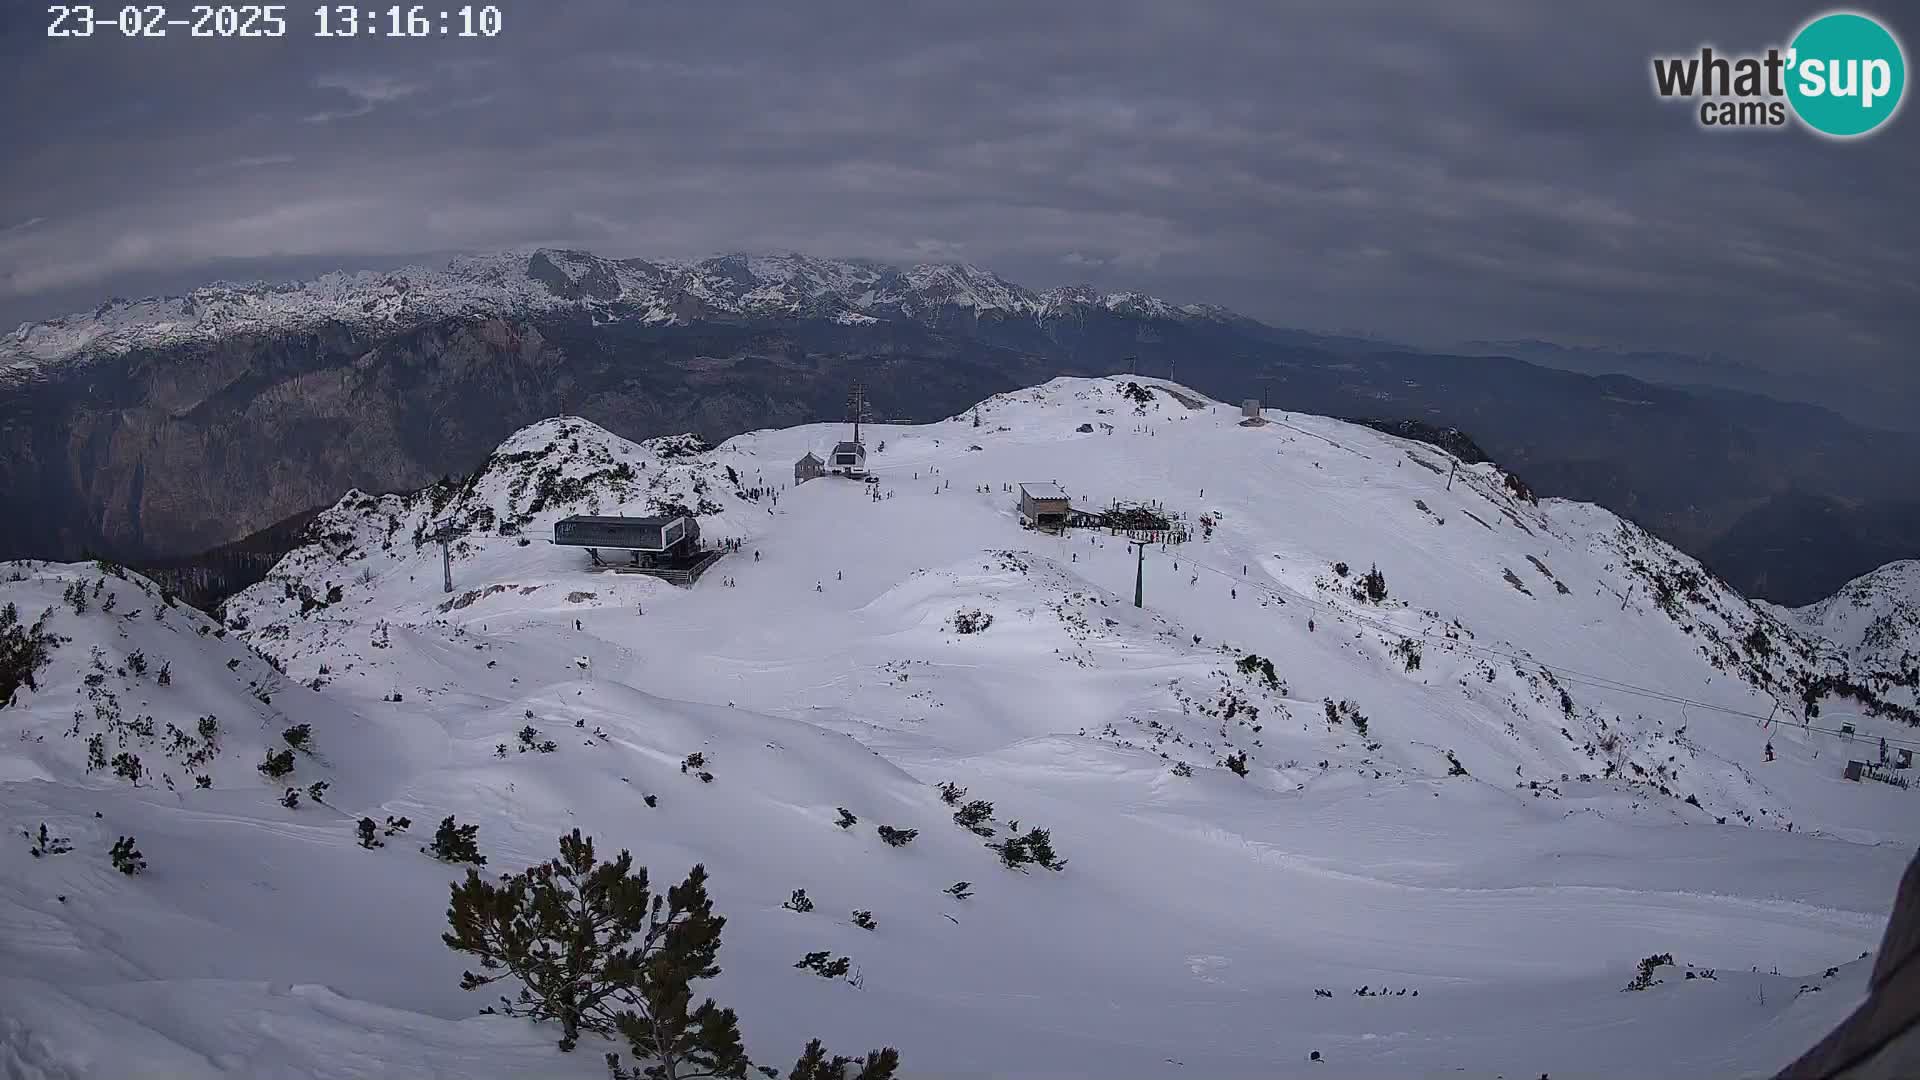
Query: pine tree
x,y
951,793
277,765
847,820
799,901
863,919
456,843
594,948
814,1064
47,844
820,964
126,858
974,817
897,837
299,736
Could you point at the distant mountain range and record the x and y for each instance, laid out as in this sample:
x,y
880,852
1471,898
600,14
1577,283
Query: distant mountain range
x,y
150,430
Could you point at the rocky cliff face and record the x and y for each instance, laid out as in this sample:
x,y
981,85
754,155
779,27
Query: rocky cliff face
x,y
187,446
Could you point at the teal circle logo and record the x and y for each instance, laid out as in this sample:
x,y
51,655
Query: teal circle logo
x,y
1846,74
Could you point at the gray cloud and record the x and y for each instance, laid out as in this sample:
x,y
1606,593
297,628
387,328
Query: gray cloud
x,y
1422,171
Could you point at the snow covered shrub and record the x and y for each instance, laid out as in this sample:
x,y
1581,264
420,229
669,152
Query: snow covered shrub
x,y
299,736
1408,650
959,890
819,964
127,767
397,825
1237,762
1260,667
277,765
847,820
897,837
24,650
367,832
456,843
317,790
137,662
972,621
46,844
291,799
697,763
1644,979
863,919
799,901
1182,769
1454,768
164,676
530,740
814,1064
1035,846
209,729
126,858
1372,586
1340,569
951,793
974,817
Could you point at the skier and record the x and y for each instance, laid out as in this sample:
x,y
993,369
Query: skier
x,y
817,587
576,624
1769,749
756,556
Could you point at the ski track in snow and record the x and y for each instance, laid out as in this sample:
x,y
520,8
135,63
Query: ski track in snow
x,y
1196,914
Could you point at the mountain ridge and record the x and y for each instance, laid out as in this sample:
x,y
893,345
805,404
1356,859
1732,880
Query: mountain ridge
x,y
553,280
154,430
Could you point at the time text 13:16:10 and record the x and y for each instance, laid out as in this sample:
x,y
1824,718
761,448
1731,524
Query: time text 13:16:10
x,y
417,20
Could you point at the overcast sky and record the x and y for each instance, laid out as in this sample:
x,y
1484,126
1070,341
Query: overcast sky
x,y
1424,171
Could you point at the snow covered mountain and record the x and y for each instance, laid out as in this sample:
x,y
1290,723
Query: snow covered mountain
x,y
1383,723
549,281
1874,620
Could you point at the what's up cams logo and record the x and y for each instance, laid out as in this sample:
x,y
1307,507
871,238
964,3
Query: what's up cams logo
x,y
1842,75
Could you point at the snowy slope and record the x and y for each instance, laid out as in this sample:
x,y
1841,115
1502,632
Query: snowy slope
x,y
548,281
1586,679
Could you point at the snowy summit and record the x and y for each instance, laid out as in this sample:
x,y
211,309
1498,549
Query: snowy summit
x,y
1394,771
547,281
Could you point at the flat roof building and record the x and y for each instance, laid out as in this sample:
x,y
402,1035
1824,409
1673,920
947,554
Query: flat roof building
x,y
668,534
1043,505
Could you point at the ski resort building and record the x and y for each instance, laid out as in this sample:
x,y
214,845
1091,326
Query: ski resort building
x,y
850,458
666,547
673,534
1043,505
809,467
1250,408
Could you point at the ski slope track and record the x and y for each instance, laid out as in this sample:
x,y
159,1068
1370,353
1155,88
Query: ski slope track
x,y
1537,759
